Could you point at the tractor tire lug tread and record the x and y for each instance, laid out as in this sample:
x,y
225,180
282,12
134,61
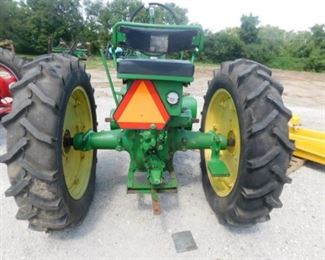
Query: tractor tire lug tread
x,y
264,123
280,174
48,176
264,159
26,80
279,105
14,150
36,133
14,190
273,202
257,92
282,138
42,58
16,111
246,73
53,215
260,192
37,228
26,213
46,204
45,99
262,219
51,224
277,85
252,214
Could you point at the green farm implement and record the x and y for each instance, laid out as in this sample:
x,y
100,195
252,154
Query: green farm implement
x,y
53,138
72,49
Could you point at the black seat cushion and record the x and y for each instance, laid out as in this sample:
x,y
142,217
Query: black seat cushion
x,y
178,68
158,40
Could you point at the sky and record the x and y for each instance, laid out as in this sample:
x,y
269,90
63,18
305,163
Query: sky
x,y
290,15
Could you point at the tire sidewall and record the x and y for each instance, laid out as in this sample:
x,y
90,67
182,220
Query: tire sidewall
x,y
77,208
224,204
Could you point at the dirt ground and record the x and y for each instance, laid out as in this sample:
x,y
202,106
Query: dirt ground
x,y
121,226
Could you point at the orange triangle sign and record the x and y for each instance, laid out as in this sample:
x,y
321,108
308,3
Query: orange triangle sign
x,y
141,107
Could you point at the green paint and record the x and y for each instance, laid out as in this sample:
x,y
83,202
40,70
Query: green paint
x,y
151,151
79,53
189,104
108,76
165,87
154,77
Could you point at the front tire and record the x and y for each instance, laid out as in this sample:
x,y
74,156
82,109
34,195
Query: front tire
x,y
244,103
53,184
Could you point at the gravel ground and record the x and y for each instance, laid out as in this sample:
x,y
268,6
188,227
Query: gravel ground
x,y
121,226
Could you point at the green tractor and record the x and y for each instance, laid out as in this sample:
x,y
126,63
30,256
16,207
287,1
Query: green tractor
x,y
52,135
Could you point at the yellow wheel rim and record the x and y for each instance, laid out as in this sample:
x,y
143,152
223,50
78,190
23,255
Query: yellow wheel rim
x,y
77,164
222,117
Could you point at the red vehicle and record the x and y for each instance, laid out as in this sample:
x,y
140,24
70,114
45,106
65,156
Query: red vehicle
x,y
10,72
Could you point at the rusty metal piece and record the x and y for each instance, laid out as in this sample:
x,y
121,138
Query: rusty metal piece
x,y
156,207
155,202
8,44
295,164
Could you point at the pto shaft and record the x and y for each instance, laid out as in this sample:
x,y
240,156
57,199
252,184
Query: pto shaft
x,y
98,140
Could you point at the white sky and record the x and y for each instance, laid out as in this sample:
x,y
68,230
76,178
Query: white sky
x,y
286,14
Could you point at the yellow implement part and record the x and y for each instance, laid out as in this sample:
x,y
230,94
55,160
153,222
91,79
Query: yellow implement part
x,y
310,144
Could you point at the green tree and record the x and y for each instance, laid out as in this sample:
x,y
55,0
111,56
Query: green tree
x,y
316,59
13,23
222,46
120,10
272,38
318,34
164,16
248,29
58,19
94,32
8,12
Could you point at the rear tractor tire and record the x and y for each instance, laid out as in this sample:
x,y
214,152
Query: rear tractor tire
x,y
244,103
52,183
11,61
10,70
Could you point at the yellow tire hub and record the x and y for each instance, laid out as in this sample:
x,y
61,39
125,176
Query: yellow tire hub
x,y
222,118
77,164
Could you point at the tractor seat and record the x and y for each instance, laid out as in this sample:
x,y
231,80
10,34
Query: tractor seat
x,y
173,68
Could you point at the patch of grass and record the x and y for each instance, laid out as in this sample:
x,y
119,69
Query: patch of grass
x,y
201,64
95,62
27,56
287,63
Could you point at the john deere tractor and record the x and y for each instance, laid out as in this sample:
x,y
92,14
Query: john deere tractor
x,y
52,136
